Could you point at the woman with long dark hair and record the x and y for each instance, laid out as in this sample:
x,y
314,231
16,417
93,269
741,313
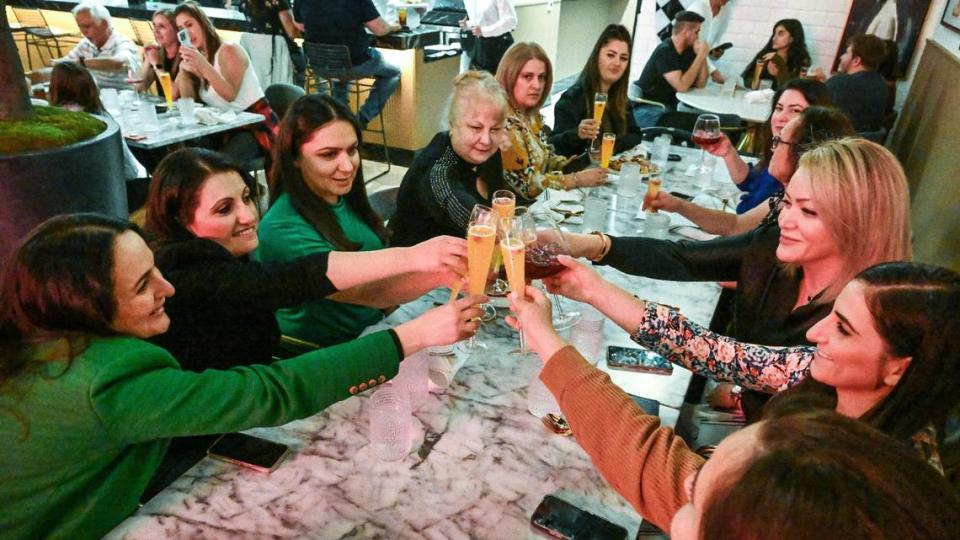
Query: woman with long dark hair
x,y
607,70
320,205
784,55
87,407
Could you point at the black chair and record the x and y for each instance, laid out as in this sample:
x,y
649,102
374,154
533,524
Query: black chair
x,y
37,33
730,124
384,202
329,63
678,137
281,95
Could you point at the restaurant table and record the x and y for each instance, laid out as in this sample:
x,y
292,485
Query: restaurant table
x,y
171,130
484,477
711,98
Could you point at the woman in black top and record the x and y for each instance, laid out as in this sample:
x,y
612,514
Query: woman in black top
x,y
607,70
163,55
275,18
458,169
783,57
204,223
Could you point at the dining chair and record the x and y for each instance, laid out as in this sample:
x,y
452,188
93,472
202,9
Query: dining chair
x,y
142,32
37,33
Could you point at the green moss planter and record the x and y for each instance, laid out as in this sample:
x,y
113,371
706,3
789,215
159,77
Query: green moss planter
x,y
50,127
83,176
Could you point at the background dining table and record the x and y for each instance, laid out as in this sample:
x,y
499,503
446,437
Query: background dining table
x,y
713,99
489,467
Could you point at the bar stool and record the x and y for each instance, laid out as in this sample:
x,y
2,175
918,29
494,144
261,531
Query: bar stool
x,y
329,63
142,32
37,33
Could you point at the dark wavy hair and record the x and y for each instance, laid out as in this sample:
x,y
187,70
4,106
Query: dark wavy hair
x,y
172,198
820,474
306,115
72,84
59,281
211,39
813,91
817,126
797,54
590,78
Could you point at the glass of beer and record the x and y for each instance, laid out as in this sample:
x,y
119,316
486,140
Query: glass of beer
x,y
513,249
757,72
606,149
481,239
653,189
402,16
166,83
599,105
504,203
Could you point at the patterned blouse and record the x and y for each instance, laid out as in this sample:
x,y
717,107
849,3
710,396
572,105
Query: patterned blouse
x,y
529,165
755,367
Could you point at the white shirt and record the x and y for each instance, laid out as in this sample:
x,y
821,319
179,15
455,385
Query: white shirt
x,y
712,27
249,93
118,47
494,17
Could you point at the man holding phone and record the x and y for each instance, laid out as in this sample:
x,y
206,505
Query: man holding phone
x,y
714,24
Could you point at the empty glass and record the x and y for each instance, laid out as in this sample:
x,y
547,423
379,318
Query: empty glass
x,y
587,335
390,423
186,111
596,208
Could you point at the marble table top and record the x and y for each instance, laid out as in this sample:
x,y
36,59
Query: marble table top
x,y
712,99
489,470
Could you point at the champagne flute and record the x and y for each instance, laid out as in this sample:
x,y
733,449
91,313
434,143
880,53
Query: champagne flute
x,y
599,105
504,203
481,239
706,131
513,248
541,262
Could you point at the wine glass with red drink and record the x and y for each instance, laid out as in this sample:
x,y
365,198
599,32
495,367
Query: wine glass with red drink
x,y
540,261
706,131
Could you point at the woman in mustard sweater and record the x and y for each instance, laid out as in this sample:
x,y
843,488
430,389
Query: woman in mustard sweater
x,y
87,407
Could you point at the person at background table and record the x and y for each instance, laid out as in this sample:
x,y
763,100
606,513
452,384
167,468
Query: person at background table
x,y
345,22
203,220
530,164
72,87
89,406
275,18
714,24
320,205
220,75
163,55
815,125
883,355
857,88
778,471
783,57
607,70
676,65
460,168
487,29
846,209
108,54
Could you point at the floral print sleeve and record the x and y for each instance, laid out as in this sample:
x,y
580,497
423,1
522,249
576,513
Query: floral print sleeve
x,y
529,164
757,367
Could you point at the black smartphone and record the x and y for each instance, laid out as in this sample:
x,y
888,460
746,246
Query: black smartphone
x,y
683,196
559,519
649,406
722,47
248,451
577,163
640,360
674,157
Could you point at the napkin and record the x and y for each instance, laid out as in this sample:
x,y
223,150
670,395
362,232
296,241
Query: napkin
x,y
210,117
443,368
759,96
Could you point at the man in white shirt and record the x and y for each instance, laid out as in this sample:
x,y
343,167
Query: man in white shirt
x,y
714,24
487,28
108,54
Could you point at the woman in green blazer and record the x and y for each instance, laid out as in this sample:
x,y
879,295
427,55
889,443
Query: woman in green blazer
x,y
87,407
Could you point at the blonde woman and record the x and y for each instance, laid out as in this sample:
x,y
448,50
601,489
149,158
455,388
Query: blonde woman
x,y
529,163
458,169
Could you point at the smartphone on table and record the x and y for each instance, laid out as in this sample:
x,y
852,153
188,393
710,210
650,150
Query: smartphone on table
x,y
557,518
638,360
248,451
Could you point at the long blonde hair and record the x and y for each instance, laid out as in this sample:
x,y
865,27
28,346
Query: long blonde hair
x,y
512,63
473,85
861,195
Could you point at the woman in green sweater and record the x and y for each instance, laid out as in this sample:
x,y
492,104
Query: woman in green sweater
x,y
87,407
321,205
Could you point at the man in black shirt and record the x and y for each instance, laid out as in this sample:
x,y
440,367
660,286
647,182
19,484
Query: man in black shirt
x,y
344,22
857,89
676,65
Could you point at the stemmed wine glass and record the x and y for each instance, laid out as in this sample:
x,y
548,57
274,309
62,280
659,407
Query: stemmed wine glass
x,y
706,131
599,105
513,240
541,261
481,239
504,203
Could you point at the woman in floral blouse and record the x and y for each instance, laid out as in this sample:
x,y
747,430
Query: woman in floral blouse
x,y
886,347
529,163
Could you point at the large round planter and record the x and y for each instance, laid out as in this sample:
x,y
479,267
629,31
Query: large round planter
x,y
83,177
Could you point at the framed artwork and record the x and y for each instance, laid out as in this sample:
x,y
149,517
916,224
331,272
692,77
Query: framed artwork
x,y
951,15
897,20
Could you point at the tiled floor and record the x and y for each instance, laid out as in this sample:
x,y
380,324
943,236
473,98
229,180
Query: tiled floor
x,y
391,179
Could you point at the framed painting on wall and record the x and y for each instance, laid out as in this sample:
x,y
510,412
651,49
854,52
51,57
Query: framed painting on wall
x,y
951,15
896,20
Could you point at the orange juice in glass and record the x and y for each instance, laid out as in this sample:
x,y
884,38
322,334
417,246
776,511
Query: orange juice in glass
x,y
606,149
504,203
167,84
480,243
653,189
